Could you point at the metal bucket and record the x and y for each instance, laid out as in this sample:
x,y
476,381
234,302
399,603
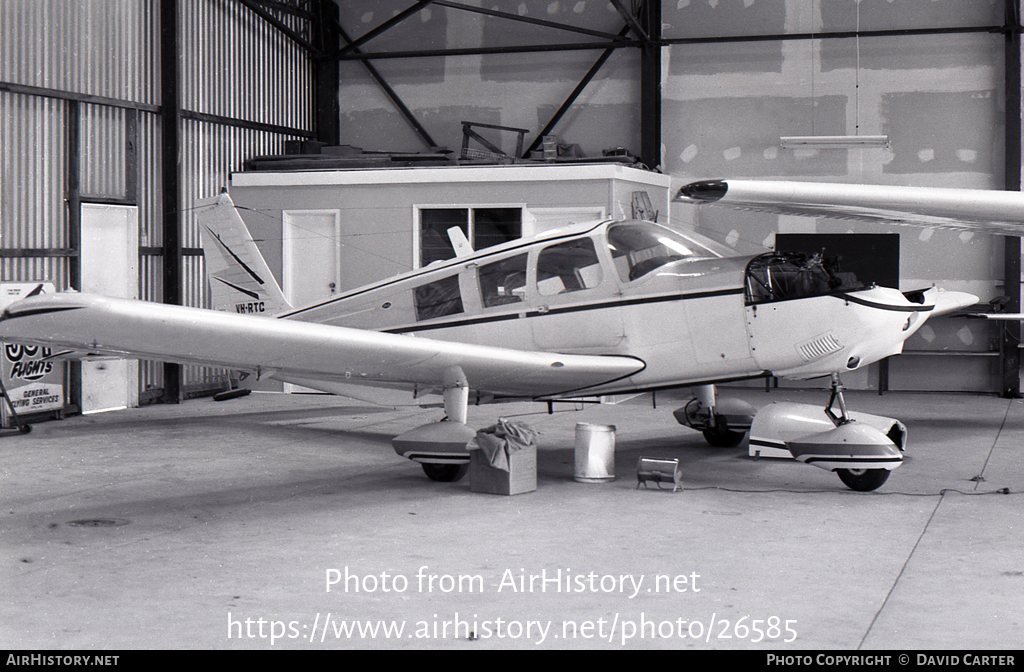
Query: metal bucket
x,y
595,453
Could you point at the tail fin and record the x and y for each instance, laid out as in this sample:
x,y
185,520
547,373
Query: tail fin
x,y
240,280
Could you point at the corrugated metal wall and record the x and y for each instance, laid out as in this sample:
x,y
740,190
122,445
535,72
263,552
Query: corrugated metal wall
x,y
102,151
32,147
236,66
59,52
97,47
91,69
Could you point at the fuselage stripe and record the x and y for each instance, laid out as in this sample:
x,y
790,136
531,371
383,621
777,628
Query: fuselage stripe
x,y
237,288
8,314
852,460
565,309
765,443
887,306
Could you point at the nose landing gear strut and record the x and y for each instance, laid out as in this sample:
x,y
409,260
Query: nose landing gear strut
x,y
863,480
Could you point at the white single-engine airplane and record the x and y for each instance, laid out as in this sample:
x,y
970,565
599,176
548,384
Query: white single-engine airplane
x,y
598,309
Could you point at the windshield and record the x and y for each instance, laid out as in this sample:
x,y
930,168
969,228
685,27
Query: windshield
x,y
784,276
638,248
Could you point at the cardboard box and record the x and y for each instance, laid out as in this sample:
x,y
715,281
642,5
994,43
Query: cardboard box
x,y
521,475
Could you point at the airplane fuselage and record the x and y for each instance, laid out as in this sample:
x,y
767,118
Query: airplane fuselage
x,y
637,289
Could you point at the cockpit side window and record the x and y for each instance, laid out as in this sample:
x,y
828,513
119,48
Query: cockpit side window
x,y
568,267
638,248
784,276
439,298
503,282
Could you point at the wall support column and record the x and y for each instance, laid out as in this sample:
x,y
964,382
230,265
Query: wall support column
x,y
1009,346
74,214
326,76
650,86
170,130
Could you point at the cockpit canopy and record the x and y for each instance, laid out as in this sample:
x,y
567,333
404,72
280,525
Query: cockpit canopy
x,y
640,247
784,276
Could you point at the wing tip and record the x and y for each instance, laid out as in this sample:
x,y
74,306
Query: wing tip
x,y
703,191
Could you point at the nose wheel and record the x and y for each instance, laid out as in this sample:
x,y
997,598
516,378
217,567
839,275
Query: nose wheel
x,y
861,480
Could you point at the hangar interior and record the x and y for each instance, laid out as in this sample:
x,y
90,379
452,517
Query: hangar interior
x,y
376,124
136,109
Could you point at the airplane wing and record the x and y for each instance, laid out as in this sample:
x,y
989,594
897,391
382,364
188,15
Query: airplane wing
x,y
964,209
1003,317
296,350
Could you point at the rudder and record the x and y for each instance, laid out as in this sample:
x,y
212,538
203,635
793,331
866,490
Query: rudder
x,y
240,280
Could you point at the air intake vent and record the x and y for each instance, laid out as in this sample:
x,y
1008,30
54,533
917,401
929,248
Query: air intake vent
x,y
819,347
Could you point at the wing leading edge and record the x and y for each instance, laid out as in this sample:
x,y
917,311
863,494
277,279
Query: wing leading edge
x,y
964,209
295,349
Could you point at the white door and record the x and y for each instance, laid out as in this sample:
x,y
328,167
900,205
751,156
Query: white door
x,y
311,259
311,254
109,258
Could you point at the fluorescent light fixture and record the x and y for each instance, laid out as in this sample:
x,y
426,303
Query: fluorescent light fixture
x,y
834,141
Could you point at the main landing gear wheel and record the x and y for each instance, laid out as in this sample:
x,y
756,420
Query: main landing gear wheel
x,y
863,480
720,436
445,473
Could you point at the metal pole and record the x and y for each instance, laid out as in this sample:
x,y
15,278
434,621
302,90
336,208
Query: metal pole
x,y
170,121
390,93
634,25
560,112
1010,341
650,87
74,201
328,113
383,28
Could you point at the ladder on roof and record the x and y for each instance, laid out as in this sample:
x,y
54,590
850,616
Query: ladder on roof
x,y
642,208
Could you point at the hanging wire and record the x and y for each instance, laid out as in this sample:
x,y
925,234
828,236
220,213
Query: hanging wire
x,y
856,128
812,67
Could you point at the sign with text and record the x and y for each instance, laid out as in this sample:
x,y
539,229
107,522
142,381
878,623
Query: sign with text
x,y
33,379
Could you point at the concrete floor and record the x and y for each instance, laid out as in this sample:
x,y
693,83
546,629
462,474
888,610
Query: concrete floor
x,y
219,513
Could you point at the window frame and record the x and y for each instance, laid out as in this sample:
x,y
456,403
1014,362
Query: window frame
x,y
450,306
471,208
599,256
520,298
